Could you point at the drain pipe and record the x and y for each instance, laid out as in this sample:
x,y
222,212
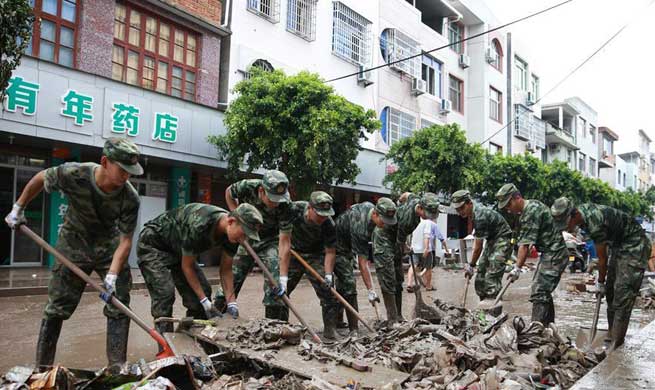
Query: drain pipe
x,y
510,112
224,71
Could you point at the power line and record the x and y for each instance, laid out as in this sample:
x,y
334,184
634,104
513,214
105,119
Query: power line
x,y
454,43
568,75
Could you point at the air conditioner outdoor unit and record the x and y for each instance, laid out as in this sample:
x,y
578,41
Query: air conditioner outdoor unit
x,y
491,55
419,86
530,99
530,146
464,61
446,106
364,77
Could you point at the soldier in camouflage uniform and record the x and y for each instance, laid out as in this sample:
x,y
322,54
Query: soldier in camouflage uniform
x,y
617,232
315,239
170,244
536,227
270,196
354,230
96,236
491,226
388,245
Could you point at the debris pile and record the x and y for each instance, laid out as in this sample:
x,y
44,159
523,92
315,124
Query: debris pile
x,y
266,334
647,301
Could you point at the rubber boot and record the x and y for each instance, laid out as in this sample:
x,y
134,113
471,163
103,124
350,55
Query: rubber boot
x,y
618,331
540,312
277,313
118,330
46,347
399,306
390,306
329,322
341,324
163,327
551,313
353,322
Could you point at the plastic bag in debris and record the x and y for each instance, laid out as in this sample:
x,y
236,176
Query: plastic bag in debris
x,y
503,340
159,383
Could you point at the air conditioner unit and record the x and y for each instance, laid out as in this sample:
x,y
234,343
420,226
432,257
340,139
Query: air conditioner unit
x,y
464,61
530,146
491,55
419,87
364,77
446,106
530,99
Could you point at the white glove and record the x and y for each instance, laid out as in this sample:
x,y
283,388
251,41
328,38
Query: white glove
x,y
233,309
514,274
373,296
284,280
16,217
468,270
110,282
209,308
329,280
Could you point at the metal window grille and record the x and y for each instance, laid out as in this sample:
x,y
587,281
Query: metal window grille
x,y
399,46
538,134
351,32
401,125
523,122
267,9
301,18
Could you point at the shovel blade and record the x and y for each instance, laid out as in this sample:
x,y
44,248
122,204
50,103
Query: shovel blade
x,y
582,339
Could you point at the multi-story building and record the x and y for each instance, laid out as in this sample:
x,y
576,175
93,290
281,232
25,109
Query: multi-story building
x,y
142,69
611,167
632,161
640,163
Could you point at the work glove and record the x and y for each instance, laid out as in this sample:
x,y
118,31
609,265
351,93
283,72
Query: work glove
x,y
600,288
110,282
514,274
373,297
233,309
329,281
468,271
210,310
16,217
281,288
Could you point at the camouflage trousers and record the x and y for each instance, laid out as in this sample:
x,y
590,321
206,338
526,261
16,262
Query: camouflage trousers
x,y
344,274
624,275
491,268
387,257
65,288
296,272
549,271
162,272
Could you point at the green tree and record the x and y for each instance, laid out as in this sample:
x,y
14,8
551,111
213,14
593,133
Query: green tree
x,y
525,171
296,124
16,18
436,158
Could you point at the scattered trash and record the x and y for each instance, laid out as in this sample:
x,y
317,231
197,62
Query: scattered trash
x,y
266,334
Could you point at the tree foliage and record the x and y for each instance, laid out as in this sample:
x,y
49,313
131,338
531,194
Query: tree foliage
x,y
16,18
436,159
296,124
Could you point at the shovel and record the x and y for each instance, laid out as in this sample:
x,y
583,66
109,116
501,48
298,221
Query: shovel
x,y
421,309
466,290
165,347
495,309
594,337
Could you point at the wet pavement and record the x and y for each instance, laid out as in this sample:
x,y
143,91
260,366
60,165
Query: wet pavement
x,y
82,342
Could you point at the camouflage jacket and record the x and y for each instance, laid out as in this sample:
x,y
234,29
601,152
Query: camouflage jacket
x,y
489,224
275,220
92,213
354,229
308,237
407,219
189,230
536,227
605,224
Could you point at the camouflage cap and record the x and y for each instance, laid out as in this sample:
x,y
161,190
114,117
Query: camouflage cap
x,y
321,201
124,153
458,198
386,209
561,210
250,219
276,185
504,194
430,203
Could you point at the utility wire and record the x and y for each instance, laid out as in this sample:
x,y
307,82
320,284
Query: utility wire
x,y
456,42
568,75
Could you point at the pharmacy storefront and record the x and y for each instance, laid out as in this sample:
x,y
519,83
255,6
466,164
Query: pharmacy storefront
x,y
54,114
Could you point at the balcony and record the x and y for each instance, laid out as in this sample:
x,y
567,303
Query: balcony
x,y
555,135
606,160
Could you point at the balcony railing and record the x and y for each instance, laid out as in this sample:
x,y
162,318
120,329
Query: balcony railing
x,y
556,135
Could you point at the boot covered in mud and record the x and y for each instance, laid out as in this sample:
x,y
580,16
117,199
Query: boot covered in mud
x,y
163,327
277,313
618,332
329,322
540,312
399,306
390,306
353,324
46,347
118,330
551,313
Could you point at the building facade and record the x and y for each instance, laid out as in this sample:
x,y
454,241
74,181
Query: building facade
x,y
611,167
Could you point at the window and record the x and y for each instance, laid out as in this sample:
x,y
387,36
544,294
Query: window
x,y
53,37
608,147
521,68
495,105
534,87
456,34
582,162
396,125
569,158
152,53
592,167
431,74
495,149
582,127
592,132
301,18
456,93
497,52
426,123
618,178
395,45
624,179
267,9
350,35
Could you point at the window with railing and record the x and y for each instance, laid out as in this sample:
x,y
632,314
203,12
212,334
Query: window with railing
x,y
396,45
351,35
431,73
396,125
267,9
301,18
153,53
54,31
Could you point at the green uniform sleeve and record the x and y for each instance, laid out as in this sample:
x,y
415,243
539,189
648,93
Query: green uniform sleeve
x,y
286,217
58,178
481,227
329,232
129,212
360,243
236,189
529,233
595,227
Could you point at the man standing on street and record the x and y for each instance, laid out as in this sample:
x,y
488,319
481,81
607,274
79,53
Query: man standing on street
x,y
96,236
613,231
168,249
315,239
424,240
270,195
536,227
490,225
